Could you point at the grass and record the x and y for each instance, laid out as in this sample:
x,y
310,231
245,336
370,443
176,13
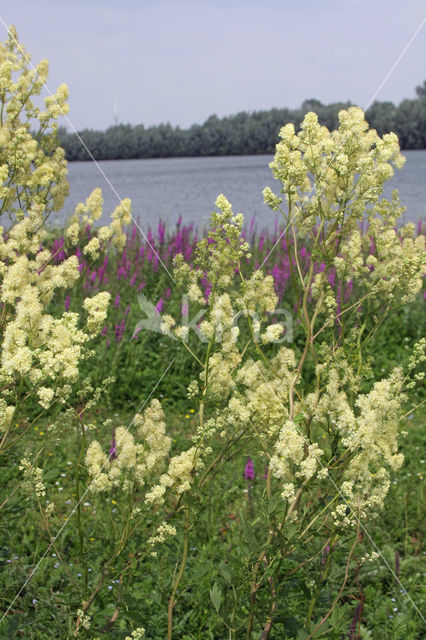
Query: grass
x,y
44,606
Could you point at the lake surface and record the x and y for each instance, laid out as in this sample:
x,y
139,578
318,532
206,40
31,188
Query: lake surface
x,y
167,188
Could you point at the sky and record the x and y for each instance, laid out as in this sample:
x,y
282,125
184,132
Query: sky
x,y
180,61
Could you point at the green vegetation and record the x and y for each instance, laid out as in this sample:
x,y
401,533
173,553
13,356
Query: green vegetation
x,y
241,134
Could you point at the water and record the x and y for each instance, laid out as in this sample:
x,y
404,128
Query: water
x,y
167,188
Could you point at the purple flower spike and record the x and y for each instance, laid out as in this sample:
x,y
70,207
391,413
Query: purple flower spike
x,y
249,470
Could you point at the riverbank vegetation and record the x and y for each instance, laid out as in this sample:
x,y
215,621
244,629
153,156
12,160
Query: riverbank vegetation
x,y
241,134
209,434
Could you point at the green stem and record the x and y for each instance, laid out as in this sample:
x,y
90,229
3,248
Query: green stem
x,y
178,577
79,519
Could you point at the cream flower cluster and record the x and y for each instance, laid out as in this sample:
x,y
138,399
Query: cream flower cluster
x,y
337,178
217,255
344,169
138,460
395,268
38,349
177,478
89,212
32,173
293,457
33,478
367,428
137,634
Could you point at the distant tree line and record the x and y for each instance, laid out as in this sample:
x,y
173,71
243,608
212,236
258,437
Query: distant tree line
x,y
241,134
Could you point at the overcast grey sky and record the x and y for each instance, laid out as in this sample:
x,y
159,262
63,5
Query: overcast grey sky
x,y
183,60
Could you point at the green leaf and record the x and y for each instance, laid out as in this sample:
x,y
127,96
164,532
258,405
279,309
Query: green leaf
x,y
274,502
52,474
225,572
216,596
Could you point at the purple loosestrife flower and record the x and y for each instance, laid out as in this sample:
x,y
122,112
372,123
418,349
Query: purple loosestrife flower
x,y
117,301
348,290
119,330
159,306
161,232
57,250
249,470
104,330
102,269
133,280
67,303
167,293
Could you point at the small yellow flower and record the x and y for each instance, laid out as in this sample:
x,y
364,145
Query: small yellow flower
x,y
41,433
91,539
187,415
192,411
113,502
